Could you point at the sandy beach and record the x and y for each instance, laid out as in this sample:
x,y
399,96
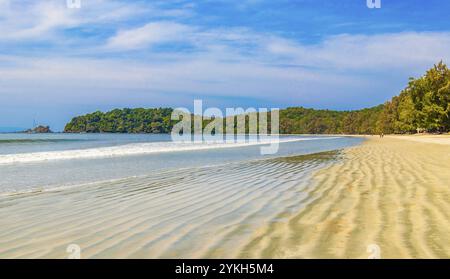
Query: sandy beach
x,y
392,192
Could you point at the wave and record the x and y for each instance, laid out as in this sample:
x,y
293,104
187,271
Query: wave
x,y
137,149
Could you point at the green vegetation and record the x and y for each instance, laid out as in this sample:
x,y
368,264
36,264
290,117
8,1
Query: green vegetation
x,y
424,105
309,121
123,121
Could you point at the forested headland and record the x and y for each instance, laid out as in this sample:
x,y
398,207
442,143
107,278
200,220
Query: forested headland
x,y
423,106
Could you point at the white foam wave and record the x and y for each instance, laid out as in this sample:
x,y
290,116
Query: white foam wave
x,y
137,149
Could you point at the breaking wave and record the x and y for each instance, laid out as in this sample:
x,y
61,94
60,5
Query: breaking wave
x,y
137,149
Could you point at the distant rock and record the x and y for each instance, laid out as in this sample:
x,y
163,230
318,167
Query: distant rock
x,y
39,130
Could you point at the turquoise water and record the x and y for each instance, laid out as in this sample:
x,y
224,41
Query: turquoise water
x,y
46,161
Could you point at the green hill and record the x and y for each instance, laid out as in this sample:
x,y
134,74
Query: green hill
x,y
424,105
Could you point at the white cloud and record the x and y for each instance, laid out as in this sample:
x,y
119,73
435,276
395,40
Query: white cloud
x,y
37,20
407,51
275,70
32,21
222,62
149,34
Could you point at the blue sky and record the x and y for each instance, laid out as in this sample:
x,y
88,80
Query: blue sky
x,y
57,62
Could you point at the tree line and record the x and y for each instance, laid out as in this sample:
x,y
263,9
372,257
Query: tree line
x,y
139,120
423,106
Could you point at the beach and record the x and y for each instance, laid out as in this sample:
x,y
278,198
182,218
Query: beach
x,y
174,203
392,193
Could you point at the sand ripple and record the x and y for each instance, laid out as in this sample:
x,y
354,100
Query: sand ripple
x,y
198,212
388,192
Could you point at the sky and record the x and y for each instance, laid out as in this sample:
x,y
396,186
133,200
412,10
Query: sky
x,y
57,62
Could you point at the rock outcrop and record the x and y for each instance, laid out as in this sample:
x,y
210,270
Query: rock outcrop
x,y
39,130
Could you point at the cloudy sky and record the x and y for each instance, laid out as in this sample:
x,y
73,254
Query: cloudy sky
x,y
57,62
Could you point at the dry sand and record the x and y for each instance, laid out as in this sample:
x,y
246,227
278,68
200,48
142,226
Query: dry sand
x,y
436,139
392,192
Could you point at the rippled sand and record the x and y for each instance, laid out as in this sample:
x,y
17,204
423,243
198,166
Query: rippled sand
x,y
197,212
389,192
392,192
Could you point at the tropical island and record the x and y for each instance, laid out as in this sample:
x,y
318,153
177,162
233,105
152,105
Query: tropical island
x,y
423,106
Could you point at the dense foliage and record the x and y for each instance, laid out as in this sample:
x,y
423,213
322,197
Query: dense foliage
x,y
424,105
126,120
309,121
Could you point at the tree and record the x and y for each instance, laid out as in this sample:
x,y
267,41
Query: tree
x,y
423,104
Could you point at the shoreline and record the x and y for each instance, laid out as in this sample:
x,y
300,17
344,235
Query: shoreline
x,y
68,186
391,192
166,215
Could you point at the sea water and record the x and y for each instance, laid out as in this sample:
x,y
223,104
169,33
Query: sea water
x,y
43,161
144,196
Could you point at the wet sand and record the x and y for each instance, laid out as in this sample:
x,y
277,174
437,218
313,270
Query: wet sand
x,y
392,192
187,213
